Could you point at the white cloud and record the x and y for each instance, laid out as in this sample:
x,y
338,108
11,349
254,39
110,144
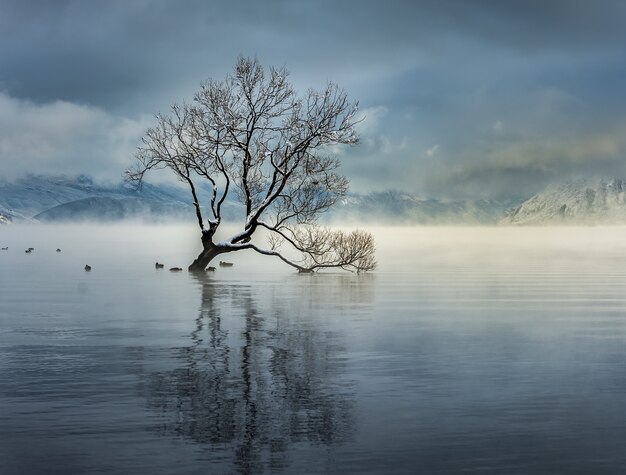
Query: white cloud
x,y
389,146
432,151
370,127
64,137
370,120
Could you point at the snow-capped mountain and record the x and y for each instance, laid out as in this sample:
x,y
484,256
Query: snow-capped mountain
x,y
34,194
584,201
55,198
80,198
62,198
103,208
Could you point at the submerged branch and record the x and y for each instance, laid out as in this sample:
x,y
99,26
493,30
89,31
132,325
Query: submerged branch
x,y
322,248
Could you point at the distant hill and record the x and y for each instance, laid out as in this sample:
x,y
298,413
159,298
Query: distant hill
x,y
33,194
62,198
584,201
392,207
103,208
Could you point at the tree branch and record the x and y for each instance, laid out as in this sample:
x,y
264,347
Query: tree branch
x,y
252,134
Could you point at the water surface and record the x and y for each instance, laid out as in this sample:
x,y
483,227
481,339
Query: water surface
x,y
468,351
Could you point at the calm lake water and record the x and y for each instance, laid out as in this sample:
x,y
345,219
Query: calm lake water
x,y
468,351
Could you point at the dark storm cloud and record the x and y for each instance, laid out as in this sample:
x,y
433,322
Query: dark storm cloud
x,y
109,53
456,90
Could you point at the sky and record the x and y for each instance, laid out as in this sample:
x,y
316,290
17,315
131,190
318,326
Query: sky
x,y
483,99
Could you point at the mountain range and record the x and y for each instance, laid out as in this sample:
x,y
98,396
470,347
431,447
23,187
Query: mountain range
x,y
80,198
34,194
61,198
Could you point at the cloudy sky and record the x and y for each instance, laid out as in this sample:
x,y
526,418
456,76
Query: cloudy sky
x,y
484,98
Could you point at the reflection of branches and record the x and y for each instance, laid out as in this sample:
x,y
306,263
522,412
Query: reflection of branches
x,y
247,453
255,390
201,387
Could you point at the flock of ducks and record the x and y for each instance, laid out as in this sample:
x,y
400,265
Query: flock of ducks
x,y
157,265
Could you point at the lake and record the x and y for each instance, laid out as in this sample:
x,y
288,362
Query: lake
x,y
469,350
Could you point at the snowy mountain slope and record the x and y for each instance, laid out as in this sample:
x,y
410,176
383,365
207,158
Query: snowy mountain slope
x,y
78,198
31,195
584,201
111,209
34,194
61,198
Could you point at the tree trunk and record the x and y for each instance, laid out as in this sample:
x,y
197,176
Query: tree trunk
x,y
209,252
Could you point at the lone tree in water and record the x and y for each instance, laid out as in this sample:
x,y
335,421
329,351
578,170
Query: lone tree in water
x,y
251,136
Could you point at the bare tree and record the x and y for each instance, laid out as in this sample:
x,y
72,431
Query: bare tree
x,y
251,136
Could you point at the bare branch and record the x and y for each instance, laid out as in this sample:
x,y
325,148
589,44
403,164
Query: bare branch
x,y
321,247
251,136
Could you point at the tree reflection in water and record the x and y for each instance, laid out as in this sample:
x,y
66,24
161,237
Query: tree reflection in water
x,y
255,379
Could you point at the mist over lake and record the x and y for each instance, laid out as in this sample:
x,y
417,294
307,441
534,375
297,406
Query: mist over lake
x,y
486,350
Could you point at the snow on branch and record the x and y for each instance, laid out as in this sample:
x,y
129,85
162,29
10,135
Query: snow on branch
x,y
253,138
